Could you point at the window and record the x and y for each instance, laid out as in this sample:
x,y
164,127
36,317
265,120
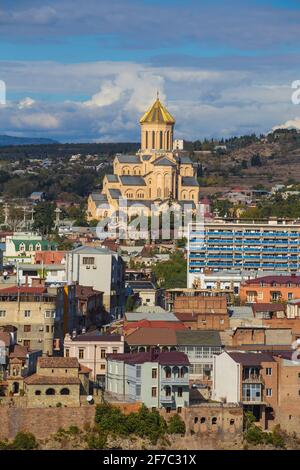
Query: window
x,y
27,313
179,392
179,410
154,373
88,260
2,313
26,343
103,353
115,351
50,314
81,353
27,328
37,392
168,409
47,329
290,296
102,367
168,391
268,392
269,371
50,391
138,372
154,392
67,353
65,391
138,390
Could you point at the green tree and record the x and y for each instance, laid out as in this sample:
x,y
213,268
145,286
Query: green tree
x,y
44,217
176,425
24,441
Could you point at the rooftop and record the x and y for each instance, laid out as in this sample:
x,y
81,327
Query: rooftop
x,y
58,362
157,113
201,338
163,358
251,359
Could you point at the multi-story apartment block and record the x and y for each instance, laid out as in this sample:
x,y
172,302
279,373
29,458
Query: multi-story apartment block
x,y
101,269
32,310
257,246
248,378
270,289
91,350
157,379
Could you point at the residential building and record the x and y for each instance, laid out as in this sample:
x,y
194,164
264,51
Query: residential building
x,y
58,380
171,295
157,379
248,378
101,269
49,257
255,246
22,246
145,292
90,308
208,313
32,310
50,274
270,289
91,350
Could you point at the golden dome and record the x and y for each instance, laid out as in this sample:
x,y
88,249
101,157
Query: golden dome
x,y
158,114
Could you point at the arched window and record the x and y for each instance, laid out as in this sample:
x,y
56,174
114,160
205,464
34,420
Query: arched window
x,y
231,422
214,421
146,139
168,391
65,391
202,420
38,247
168,141
158,192
22,247
196,420
37,392
50,391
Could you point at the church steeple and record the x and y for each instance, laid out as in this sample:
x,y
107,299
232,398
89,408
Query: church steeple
x,y
157,126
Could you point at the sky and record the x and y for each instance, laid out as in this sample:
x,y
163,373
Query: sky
x,y
85,71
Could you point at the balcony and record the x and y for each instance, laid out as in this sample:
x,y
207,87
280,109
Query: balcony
x,y
167,399
175,380
252,400
253,379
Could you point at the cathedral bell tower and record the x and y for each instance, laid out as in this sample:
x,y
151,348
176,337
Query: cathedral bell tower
x,y
157,126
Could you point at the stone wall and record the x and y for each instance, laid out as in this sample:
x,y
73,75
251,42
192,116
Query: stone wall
x,y
42,421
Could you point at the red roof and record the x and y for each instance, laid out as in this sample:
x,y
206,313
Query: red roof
x,y
23,290
49,257
155,324
164,358
267,307
282,279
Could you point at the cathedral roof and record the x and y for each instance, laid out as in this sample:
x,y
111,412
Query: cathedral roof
x,y
157,113
112,178
128,159
163,161
115,193
189,181
128,180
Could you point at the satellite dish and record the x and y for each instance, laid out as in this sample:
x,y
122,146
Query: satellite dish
x,y
90,399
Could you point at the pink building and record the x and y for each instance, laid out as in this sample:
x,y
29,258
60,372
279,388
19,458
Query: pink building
x,y
91,350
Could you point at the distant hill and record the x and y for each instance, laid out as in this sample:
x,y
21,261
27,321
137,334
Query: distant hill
x,y
7,140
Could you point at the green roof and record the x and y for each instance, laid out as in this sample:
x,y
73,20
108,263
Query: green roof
x,y
45,244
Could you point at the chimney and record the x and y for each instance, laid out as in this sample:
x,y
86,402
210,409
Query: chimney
x,y
74,334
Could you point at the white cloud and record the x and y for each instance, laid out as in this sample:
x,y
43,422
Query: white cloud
x,y
290,124
35,121
26,103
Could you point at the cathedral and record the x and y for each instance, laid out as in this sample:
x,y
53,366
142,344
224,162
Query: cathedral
x,y
156,174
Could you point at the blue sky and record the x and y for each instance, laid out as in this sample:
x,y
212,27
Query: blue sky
x,y
85,71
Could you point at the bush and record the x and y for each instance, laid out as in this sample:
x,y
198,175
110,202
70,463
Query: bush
x,y
24,441
96,440
176,425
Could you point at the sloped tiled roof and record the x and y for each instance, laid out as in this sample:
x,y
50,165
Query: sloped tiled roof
x,y
189,181
201,338
37,379
53,362
128,180
152,337
164,161
134,159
